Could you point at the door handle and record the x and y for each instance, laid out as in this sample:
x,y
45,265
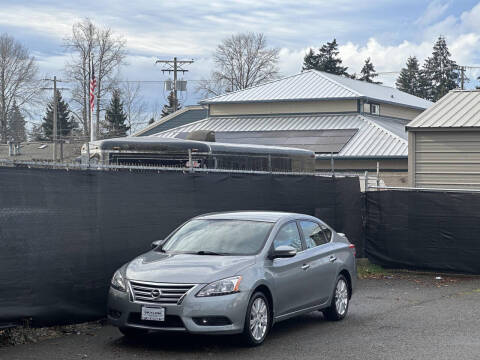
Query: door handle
x,y
332,258
305,266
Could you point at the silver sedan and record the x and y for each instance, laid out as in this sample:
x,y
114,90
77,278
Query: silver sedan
x,y
235,273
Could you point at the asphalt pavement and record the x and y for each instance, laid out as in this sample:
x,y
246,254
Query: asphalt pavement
x,y
404,317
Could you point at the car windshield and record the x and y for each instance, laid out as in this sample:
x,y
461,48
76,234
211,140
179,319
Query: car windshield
x,y
219,237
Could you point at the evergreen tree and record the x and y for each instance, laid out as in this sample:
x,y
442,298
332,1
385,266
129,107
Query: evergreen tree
x,y
151,121
326,60
16,125
424,84
65,122
368,72
310,61
36,133
409,78
170,107
440,71
115,117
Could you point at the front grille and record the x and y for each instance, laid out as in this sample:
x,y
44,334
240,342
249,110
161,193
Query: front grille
x,y
158,293
171,321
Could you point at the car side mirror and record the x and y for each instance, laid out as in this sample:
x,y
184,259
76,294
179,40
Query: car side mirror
x,y
283,251
157,243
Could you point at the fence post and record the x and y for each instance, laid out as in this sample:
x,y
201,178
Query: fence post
x,y
190,160
332,163
88,154
366,181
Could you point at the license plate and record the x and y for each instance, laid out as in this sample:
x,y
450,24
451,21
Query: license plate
x,y
153,313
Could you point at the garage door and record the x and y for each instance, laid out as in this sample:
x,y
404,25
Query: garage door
x,y
447,159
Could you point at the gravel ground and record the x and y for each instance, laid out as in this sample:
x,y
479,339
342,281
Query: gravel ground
x,y
399,316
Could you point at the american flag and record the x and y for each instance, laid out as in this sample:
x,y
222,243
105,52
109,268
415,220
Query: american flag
x,y
93,84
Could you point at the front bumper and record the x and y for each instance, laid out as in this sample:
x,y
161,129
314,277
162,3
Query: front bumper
x,y
122,312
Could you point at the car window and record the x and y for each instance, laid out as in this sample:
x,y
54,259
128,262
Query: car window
x,y
315,234
226,237
288,235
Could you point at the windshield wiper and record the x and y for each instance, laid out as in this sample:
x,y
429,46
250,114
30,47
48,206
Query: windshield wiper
x,y
207,252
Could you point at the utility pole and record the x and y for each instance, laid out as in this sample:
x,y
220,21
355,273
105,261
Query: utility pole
x,y
55,115
55,106
462,76
174,66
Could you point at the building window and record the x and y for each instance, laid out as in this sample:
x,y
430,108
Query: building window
x,y
375,109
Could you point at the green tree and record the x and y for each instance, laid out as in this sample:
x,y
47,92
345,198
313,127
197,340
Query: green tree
x,y
65,122
409,78
115,117
171,106
424,84
440,71
327,59
368,72
36,133
16,124
151,121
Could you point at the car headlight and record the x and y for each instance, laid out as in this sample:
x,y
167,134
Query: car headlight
x,y
221,287
118,282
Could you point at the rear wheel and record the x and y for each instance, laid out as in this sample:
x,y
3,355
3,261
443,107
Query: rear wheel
x,y
340,300
257,320
132,332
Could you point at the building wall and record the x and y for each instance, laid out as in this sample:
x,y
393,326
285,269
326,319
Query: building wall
x,y
399,111
363,165
444,159
287,107
393,172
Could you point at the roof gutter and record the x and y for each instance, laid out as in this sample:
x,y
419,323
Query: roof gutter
x,y
340,157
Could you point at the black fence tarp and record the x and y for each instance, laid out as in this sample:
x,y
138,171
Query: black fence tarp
x,y
424,230
63,233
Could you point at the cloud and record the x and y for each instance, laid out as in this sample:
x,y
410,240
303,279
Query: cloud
x,y
433,12
386,31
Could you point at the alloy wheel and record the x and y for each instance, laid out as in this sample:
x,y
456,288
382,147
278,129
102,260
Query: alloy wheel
x,y
258,319
341,297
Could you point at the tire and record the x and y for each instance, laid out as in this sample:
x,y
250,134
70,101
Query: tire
x,y
259,313
132,333
338,308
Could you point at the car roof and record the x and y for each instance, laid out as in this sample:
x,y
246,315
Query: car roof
x,y
268,216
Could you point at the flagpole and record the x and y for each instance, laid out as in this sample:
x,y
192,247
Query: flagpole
x,y
93,134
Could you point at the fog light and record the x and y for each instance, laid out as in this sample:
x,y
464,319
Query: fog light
x,y
212,321
114,313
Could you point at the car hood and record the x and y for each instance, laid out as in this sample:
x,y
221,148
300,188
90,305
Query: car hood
x,y
185,268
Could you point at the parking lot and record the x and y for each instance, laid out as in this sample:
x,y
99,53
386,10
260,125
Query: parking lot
x,y
400,316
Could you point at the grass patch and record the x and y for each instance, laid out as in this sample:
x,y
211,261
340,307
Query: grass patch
x,y
367,270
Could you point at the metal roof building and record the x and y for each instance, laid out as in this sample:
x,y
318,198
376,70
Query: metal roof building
x,y
444,143
180,117
356,124
317,85
371,138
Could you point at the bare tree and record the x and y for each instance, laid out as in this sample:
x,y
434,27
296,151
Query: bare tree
x,y
18,71
241,61
135,105
87,42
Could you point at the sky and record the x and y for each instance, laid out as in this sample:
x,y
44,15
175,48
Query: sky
x,y
387,31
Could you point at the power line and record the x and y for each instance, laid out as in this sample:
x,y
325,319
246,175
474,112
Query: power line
x,y
174,66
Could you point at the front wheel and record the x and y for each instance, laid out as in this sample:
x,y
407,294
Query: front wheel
x,y
257,320
340,300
